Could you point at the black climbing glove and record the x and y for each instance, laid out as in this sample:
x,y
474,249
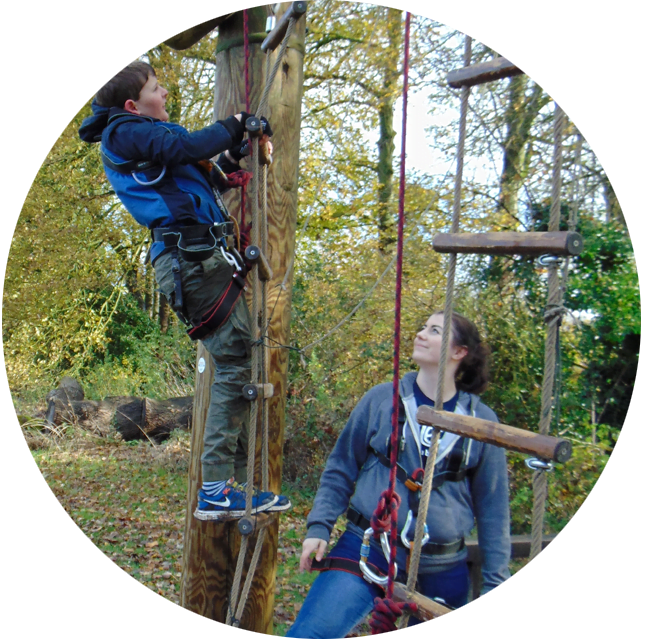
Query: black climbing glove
x,y
235,127
267,130
237,153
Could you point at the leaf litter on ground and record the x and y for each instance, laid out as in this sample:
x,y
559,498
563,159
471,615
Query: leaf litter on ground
x,y
130,500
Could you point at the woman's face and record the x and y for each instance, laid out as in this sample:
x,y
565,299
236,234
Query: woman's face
x,y
426,344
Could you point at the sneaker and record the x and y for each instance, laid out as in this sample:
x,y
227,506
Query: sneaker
x,y
278,502
230,503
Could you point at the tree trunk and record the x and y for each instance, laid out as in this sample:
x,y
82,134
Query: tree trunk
x,y
521,112
389,61
210,550
134,418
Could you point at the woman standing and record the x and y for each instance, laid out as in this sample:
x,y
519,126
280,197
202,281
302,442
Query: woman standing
x,y
470,484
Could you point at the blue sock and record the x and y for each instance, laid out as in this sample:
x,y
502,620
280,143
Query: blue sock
x,y
212,488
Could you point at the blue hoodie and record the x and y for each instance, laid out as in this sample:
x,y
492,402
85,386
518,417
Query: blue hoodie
x,y
355,476
179,192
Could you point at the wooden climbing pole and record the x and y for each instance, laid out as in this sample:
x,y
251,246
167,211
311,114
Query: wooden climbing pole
x,y
211,548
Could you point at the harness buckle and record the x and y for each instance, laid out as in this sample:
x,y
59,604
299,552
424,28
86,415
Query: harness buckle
x,y
413,486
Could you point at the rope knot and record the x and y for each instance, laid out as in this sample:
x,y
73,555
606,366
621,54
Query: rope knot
x,y
388,503
239,178
554,314
386,612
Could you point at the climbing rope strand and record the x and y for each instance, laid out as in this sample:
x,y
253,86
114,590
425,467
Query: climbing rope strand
x,y
554,302
425,493
251,570
262,105
235,587
265,481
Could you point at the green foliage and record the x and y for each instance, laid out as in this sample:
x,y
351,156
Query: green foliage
x,y
80,300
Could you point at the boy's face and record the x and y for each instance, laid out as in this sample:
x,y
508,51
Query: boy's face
x,y
151,101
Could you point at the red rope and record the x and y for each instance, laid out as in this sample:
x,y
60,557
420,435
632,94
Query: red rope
x,y
398,307
386,610
247,93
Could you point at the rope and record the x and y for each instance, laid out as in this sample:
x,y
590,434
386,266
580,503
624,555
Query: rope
x,y
247,94
259,361
386,513
251,570
237,577
425,493
553,318
262,105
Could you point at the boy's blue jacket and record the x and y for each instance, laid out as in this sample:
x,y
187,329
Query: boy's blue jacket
x,y
183,196
355,476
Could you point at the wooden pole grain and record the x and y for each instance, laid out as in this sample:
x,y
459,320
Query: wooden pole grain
x,y
210,550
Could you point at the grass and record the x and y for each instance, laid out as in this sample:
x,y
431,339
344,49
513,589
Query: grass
x,y
130,500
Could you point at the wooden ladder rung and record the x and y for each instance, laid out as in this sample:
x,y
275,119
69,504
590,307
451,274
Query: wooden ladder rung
x,y
274,37
260,391
254,255
258,521
247,527
547,448
483,72
530,243
441,619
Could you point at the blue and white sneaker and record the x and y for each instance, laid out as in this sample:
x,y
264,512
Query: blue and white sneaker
x,y
279,502
230,503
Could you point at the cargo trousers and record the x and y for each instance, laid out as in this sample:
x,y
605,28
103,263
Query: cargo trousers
x,y
226,430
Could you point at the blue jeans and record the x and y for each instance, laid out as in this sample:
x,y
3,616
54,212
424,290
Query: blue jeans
x,y
338,600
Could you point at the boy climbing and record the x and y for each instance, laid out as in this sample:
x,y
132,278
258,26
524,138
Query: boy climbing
x,y
164,177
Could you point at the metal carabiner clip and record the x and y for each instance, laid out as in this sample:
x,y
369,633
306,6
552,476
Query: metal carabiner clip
x,y
230,259
546,260
369,575
143,183
405,531
538,464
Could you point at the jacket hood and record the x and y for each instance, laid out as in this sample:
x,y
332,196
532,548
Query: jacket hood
x,y
93,126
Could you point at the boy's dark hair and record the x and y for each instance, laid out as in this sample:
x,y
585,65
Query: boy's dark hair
x,y
126,85
473,372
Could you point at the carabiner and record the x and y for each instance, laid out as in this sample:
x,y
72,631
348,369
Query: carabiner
x,y
405,531
538,464
152,182
230,259
365,548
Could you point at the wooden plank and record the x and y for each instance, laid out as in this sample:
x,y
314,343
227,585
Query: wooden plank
x,y
191,36
495,69
555,243
443,621
547,448
258,391
255,256
275,37
249,526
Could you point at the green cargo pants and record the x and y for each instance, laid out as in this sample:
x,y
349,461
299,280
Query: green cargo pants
x,y
225,435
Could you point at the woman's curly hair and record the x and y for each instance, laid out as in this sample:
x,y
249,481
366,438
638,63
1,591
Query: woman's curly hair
x,y
473,372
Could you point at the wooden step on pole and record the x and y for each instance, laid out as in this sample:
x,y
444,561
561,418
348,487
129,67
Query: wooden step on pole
x,y
507,243
547,448
255,256
495,69
254,391
275,37
443,621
